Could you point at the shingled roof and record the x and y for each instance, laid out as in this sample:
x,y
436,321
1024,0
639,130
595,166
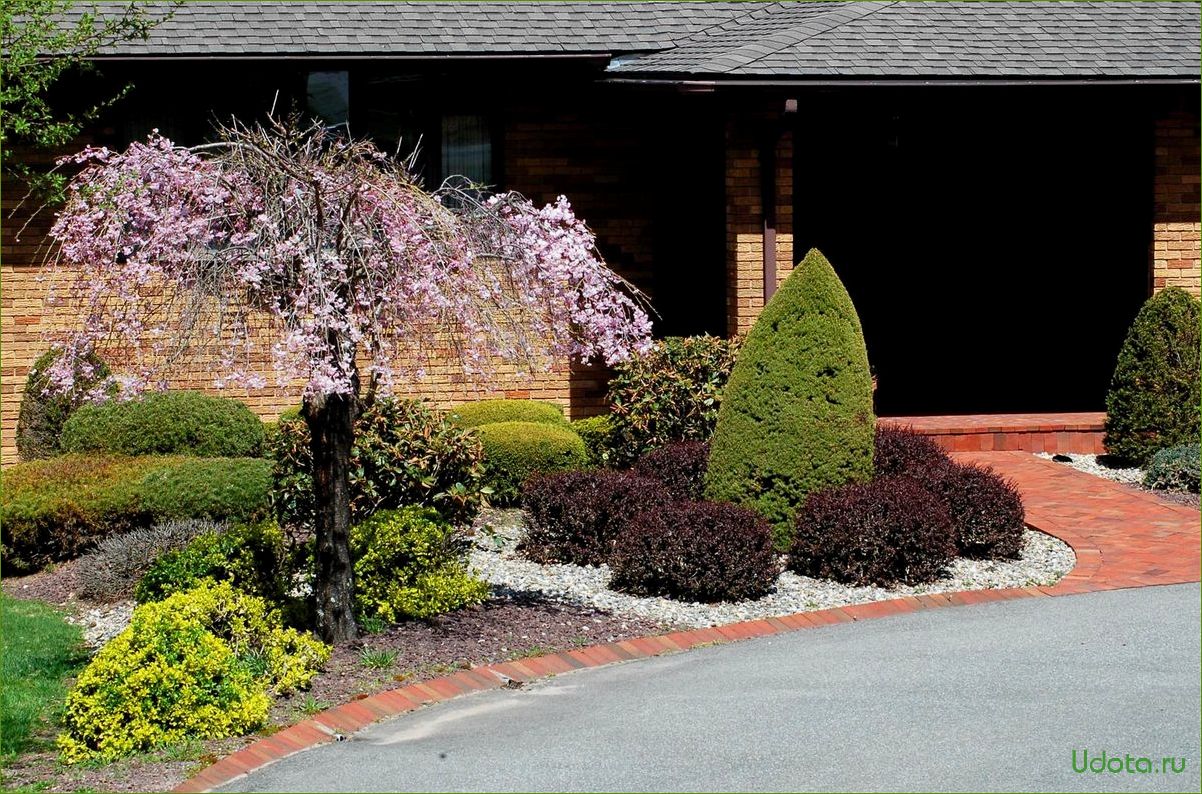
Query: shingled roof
x,y
718,40
942,39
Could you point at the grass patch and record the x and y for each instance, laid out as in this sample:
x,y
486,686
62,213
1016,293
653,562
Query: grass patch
x,y
40,651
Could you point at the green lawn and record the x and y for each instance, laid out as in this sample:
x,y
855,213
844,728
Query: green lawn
x,y
40,650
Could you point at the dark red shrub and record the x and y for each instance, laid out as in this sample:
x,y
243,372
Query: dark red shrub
x,y
696,551
680,466
985,509
574,516
902,450
885,531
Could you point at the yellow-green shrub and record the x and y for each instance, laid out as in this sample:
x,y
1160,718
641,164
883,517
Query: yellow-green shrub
x,y
411,563
513,451
200,664
487,412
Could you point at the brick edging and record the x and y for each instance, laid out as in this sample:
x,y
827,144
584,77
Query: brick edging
x,y
332,724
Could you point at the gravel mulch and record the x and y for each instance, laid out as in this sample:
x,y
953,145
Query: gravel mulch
x,y
1099,466
1044,561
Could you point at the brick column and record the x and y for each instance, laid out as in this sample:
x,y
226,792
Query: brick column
x,y
1176,232
745,219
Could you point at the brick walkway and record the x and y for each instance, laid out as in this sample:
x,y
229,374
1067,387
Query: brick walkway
x,y
1123,537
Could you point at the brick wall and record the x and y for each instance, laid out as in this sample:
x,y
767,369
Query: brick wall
x,y
745,135
1177,234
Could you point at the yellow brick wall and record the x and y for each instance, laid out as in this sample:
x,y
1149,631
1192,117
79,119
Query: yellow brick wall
x,y
1177,233
744,218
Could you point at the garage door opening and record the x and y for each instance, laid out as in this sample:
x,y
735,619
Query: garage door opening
x,y
995,244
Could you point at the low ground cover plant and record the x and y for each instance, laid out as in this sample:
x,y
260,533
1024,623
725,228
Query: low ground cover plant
x,y
1174,469
201,664
113,569
487,412
796,415
679,467
44,410
695,551
672,392
1154,394
404,454
515,451
252,557
411,563
166,423
882,532
577,516
57,508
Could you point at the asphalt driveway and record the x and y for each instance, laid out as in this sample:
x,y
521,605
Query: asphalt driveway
x,y
981,698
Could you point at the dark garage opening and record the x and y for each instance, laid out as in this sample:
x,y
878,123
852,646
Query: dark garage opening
x,y
995,241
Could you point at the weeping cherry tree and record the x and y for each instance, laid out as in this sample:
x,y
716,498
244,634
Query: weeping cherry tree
x,y
326,258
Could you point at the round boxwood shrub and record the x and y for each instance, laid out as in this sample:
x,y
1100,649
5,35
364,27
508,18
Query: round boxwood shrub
x,y
488,412
404,454
679,466
1174,469
199,665
575,516
696,551
166,423
513,451
902,450
596,432
411,563
882,532
1154,394
671,392
796,416
42,415
986,510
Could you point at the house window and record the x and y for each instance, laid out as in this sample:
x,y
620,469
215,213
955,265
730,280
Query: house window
x,y
328,97
467,148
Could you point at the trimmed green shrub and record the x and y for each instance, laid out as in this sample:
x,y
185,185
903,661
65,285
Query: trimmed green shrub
x,y
113,569
237,489
411,563
55,509
596,433
52,510
488,412
576,516
882,532
796,417
166,423
670,393
404,454
696,551
1174,469
514,451
679,467
40,421
252,557
1155,391
199,665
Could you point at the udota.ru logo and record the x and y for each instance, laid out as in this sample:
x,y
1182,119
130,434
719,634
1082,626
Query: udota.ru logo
x,y
1115,764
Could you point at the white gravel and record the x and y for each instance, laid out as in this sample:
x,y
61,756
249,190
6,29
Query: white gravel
x,y
1089,464
1045,560
101,624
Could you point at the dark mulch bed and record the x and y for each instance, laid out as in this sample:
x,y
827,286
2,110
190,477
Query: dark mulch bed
x,y
1177,497
500,629
57,585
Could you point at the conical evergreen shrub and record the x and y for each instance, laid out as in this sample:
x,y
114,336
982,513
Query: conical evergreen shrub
x,y
796,415
1154,395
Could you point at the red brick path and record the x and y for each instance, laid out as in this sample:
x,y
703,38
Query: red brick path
x,y
1072,432
1123,537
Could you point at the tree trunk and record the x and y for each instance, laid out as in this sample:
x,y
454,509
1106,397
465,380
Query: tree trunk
x,y
331,429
